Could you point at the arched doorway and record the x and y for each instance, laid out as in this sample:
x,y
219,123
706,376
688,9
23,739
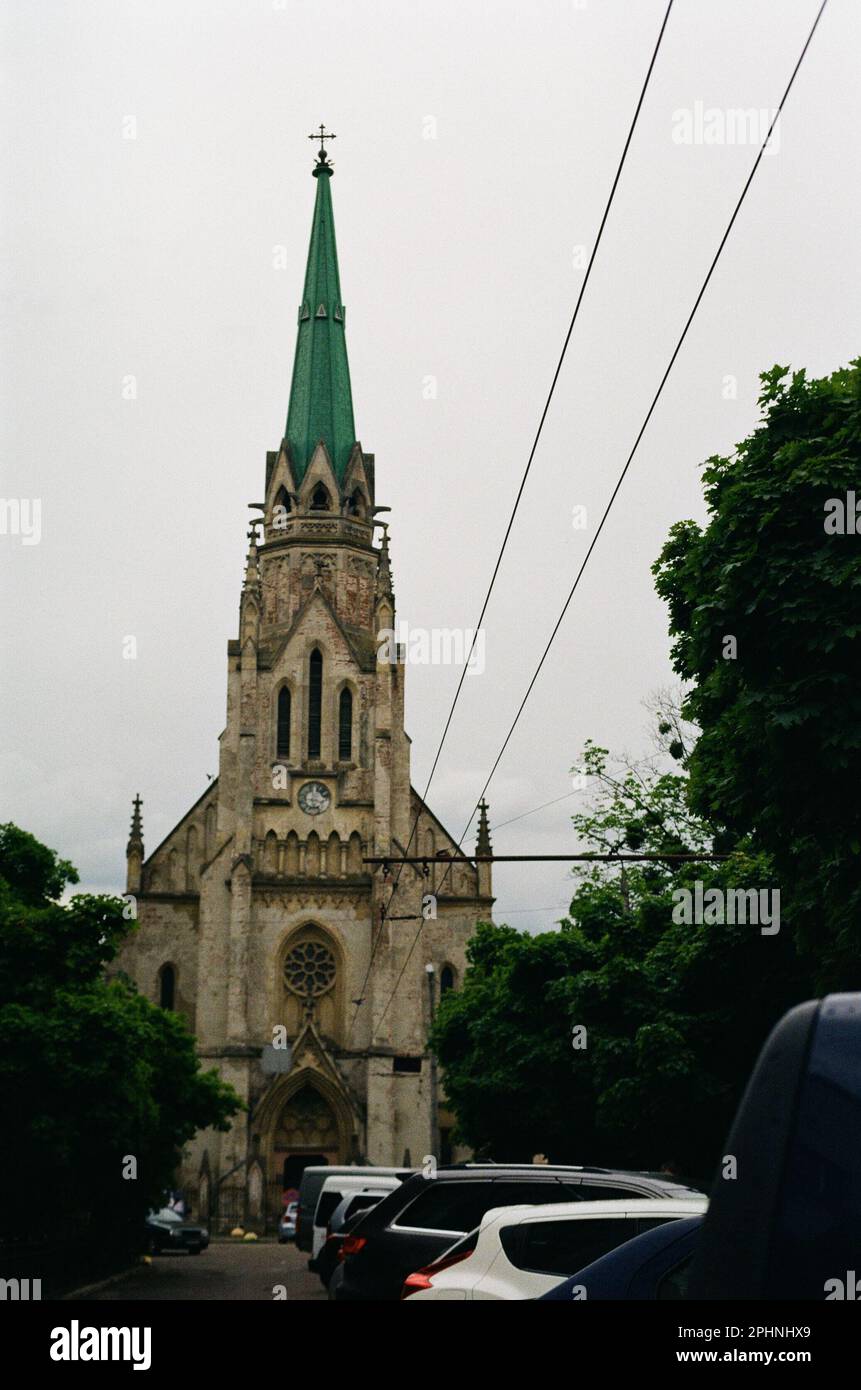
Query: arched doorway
x,y
307,1134
304,1120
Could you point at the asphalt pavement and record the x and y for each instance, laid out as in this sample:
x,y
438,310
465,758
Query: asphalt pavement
x,y
250,1271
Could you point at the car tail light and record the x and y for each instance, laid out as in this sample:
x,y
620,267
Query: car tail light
x,y
414,1282
351,1246
423,1278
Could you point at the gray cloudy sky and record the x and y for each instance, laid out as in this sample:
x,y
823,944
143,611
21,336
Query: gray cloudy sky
x,y
155,257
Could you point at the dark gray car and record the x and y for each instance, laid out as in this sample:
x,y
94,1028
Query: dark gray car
x,y
167,1231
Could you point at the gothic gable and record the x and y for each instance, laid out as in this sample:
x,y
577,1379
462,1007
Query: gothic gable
x,y
306,629
175,866
356,480
320,473
281,485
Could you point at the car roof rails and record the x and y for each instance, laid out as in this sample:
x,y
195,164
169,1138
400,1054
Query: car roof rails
x,y
530,1167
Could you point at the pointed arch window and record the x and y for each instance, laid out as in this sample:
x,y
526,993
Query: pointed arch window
x,y
282,746
356,503
345,726
167,986
315,703
320,499
283,506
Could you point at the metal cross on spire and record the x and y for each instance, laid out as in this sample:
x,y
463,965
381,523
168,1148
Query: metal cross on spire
x,y
323,134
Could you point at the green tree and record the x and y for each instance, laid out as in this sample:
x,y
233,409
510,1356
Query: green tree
x,y
764,610
505,1047
92,1075
674,1014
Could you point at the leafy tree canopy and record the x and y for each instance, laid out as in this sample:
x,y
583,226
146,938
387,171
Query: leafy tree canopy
x,y
779,707
31,872
764,614
674,1014
93,1073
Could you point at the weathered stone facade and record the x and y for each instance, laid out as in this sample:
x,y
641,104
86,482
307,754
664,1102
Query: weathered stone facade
x,y
257,913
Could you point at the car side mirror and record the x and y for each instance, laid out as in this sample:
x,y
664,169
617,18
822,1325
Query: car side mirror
x,y
787,1225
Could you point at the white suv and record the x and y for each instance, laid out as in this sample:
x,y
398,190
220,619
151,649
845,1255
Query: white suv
x,y
523,1252
333,1192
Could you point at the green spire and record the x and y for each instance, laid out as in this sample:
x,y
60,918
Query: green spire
x,y
321,404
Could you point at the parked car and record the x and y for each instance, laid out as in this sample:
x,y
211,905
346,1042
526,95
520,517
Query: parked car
x,y
165,1230
788,1224
332,1194
654,1265
309,1190
521,1251
343,1219
287,1223
423,1217
336,1280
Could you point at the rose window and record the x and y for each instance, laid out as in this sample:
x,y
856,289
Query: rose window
x,y
309,969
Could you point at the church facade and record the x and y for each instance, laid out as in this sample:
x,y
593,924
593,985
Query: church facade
x,y
308,976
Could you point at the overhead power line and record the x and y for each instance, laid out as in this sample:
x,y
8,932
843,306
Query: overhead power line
x,y
520,489
557,907
535,809
628,461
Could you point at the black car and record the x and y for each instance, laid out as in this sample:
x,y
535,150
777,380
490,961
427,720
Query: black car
x,y
167,1231
346,1215
654,1265
425,1216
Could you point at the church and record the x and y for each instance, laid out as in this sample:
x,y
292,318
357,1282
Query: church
x,y
309,976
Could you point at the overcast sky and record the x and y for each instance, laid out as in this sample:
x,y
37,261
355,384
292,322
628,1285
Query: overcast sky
x,y
476,143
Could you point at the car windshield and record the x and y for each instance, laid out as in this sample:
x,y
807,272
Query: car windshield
x,y
167,1215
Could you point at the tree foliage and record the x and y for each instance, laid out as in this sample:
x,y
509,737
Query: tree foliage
x,y
91,1073
674,1014
764,615
779,755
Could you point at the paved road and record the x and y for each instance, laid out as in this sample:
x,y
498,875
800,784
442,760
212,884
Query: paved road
x,y
224,1271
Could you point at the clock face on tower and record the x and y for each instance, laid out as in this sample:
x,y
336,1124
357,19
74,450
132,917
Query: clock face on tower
x,y
314,798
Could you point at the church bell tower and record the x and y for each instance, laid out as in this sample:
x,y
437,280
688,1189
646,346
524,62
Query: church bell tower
x,y
308,979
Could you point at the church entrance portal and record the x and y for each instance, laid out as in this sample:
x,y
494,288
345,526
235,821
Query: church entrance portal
x,y
306,1136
